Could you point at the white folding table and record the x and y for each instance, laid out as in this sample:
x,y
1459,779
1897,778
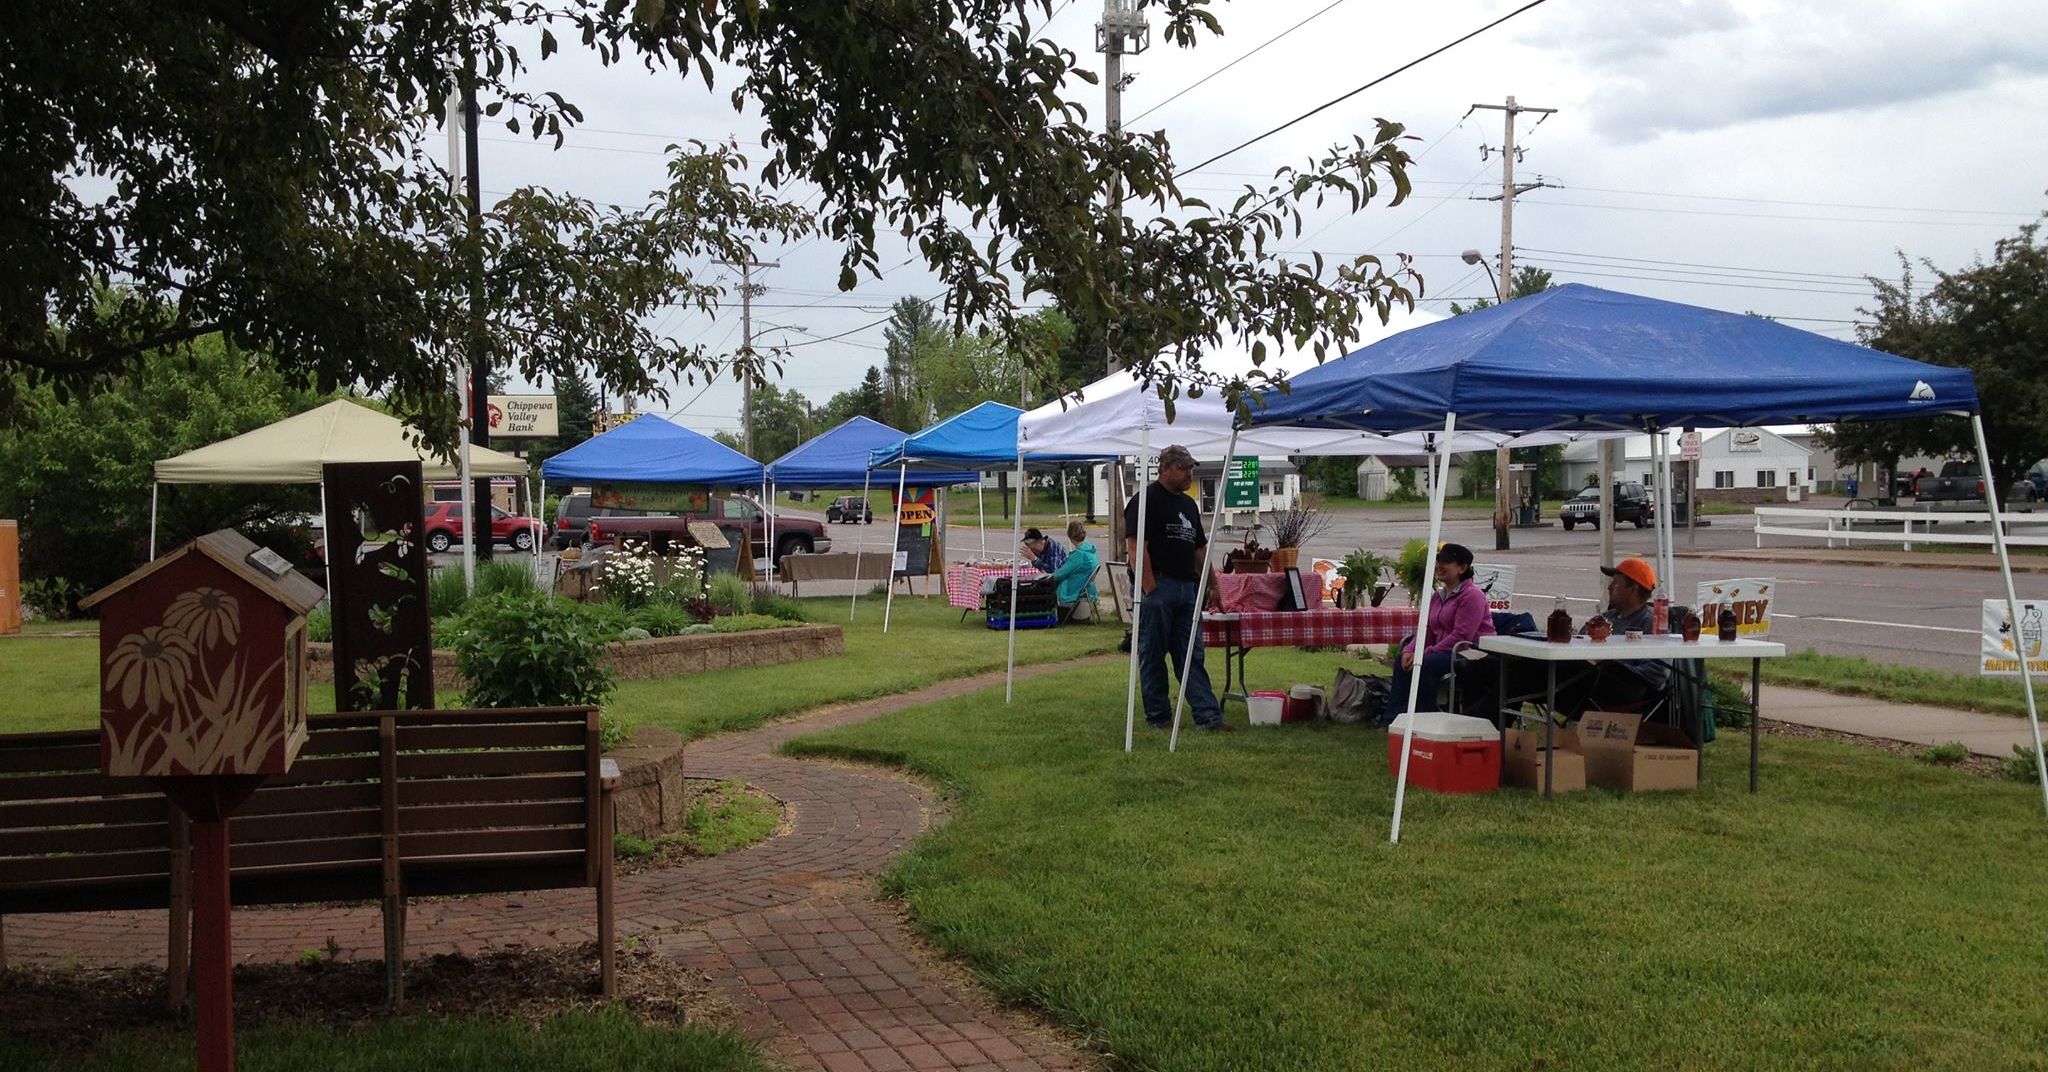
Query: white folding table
x,y
1668,647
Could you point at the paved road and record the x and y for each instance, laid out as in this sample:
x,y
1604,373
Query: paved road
x,y
1915,616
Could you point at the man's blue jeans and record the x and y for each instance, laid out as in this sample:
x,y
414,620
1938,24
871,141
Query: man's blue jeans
x,y
1164,621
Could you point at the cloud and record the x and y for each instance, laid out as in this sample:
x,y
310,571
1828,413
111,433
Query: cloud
x,y
1711,64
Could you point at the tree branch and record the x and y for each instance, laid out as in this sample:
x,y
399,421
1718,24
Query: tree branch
x,y
105,358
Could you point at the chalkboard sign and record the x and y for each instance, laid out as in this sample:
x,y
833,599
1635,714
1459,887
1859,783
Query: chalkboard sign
x,y
916,547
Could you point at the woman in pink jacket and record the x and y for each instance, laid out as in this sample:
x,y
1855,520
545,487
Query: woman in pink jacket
x,y
1457,616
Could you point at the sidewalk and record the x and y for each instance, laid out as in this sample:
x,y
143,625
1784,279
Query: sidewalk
x,y
1986,735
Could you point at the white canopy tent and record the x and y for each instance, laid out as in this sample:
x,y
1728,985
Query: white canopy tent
x,y
293,450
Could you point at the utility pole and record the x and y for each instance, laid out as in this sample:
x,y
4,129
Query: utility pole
x,y
1504,284
1122,31
747,343
476,525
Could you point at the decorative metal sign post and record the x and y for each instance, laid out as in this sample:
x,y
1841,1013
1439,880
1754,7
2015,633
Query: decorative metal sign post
x,y
203,688
377,572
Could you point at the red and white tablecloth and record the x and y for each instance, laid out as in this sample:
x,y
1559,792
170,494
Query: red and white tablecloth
x,y
1308,628
963,582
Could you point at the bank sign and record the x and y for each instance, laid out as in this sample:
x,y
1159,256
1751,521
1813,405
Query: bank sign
x,y
523,416
2004,644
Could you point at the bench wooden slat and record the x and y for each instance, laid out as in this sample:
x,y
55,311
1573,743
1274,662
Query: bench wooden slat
x,y
84,811
60,786
36,870
329,769
492,736
363,850
67,758
469,843
84,840
490,790
300,826
445,764
566,813
339,742
285,799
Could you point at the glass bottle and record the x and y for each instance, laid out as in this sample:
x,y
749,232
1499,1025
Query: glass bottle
x,y
1559,628
1660,613
1727,623
1691,626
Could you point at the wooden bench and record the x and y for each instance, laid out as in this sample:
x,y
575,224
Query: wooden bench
x,y
380,806
838,566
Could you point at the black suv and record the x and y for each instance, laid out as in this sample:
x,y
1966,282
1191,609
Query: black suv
x,y
1631,503
851,509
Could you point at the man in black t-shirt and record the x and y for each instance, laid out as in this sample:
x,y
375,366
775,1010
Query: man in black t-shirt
x,y
1173,565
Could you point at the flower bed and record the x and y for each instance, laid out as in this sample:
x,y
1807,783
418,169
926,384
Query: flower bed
x,y
632,660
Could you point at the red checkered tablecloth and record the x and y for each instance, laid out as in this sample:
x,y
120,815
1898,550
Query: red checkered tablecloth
x,y
963,582
1308,628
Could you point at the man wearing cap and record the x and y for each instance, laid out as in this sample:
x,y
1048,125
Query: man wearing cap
x,y
1046,554
1607,684
1173,565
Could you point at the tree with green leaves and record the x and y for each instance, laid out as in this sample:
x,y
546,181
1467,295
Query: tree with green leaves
x,y
287,193
79,468
576,406
783,419
869,400
1990,318
1529,279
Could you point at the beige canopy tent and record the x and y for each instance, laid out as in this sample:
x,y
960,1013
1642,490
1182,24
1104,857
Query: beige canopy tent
x,y
291,451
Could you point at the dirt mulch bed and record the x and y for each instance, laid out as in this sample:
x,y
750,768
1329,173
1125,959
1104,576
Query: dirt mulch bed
x,y
69,1010
1983,766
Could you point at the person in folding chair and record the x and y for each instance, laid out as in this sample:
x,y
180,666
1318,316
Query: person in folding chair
x,y
1458,617
1076,577
1632,684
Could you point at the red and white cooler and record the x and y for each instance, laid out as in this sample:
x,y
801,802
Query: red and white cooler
x,y
1451,753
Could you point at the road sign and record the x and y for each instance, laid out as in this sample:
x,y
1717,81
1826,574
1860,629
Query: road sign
x,y
1241,483
1689,446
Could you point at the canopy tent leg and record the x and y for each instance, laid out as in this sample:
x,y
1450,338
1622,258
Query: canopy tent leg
x,y
1201,600
1436,531
981,512
1668,573
155,486
866,508
2012,599
889,598
1067,508
1016,540
1137,584
768,530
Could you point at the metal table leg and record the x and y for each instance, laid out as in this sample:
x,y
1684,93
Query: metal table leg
x,y
1549,728
1756,695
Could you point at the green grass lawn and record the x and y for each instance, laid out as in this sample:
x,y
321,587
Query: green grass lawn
x,y
1853,675
51,683
570,1042
1237,905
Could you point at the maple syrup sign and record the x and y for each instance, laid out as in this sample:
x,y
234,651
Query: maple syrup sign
x,y
1749,597
2004,644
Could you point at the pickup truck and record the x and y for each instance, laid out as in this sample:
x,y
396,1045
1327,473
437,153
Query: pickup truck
x,y
1958,482
793,535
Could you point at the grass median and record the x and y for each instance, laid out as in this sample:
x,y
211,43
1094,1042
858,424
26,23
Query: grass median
x,y
1237,905
1851,675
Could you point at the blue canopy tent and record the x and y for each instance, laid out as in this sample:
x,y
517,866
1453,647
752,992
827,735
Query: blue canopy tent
x,y
653,450
1582,358
838,458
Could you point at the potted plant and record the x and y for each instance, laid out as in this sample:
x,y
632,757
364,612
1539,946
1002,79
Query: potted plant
x,y
1302,521
1413,569
1362,571
1250,557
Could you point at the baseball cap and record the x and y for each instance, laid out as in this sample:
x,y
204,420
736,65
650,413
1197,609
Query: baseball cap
x,y
1635,569
1176,455
1033,534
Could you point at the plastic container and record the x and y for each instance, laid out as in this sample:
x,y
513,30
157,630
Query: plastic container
x,y
1451,753
1304,704
1266,708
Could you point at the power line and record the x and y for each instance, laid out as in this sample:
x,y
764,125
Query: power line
x,y
1255,51
1532,4
1798,204
1598,260
1551,202
1576,272
1689,264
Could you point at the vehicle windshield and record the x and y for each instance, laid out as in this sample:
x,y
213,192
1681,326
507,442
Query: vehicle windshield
x,y
1588,495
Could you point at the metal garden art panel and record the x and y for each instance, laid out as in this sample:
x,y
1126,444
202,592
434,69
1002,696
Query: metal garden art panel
x,y
377,574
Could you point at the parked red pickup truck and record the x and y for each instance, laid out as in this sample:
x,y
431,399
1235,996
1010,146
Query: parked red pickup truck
x,y
793,535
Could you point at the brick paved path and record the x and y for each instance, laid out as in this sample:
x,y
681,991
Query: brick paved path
x,y
790,927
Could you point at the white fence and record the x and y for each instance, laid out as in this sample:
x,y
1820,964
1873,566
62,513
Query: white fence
x,y
1902,527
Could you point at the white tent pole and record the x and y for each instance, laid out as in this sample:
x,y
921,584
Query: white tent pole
x,y
866,508
768,536
1201,596
1662,506
1669,575
2012,598
981,513
1016,539
326,529
1137,584
1436,531
889,596
155,486
1066,507
468,495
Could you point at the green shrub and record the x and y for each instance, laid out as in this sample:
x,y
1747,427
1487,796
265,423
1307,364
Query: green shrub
x,y
731,595
530,650
1945,754
1731,704
697,629
320,625
504,575
50,599
747,623
1412,568
604,621
634,632
448,631
446,594
2019,766
662,619
775,605
628,847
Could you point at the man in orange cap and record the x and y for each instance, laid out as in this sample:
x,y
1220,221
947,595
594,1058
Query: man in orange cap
x,y
1602,685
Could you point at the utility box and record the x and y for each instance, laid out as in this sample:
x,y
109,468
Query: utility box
x,y
203,662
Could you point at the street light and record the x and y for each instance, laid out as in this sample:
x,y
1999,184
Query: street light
x,y
1500,457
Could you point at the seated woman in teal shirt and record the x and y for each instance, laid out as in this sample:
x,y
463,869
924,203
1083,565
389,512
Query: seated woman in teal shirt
x,y
1076,576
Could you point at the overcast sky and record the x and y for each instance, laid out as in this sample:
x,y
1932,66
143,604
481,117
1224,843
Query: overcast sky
x,y
1749,155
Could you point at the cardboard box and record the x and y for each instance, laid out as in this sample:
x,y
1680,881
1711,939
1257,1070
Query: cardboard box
x,y
1625,753
1522,762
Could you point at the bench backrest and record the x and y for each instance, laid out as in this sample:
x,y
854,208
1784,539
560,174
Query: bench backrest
x,y
410,802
